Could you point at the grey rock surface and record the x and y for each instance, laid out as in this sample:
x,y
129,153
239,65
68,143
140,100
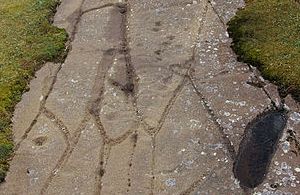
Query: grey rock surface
x,y
150,100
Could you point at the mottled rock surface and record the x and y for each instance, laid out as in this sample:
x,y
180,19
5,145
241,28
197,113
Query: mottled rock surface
x,y
150,100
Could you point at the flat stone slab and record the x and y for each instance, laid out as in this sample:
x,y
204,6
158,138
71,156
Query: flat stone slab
x,y
190,154
150,100
36,158
76,176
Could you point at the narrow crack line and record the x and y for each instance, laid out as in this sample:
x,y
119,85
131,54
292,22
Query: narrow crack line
x,y
130,88
177,91
132,78
105,137
227,142
42,105
45,98
132,84
146,127
27,131
97,8
202,22
174,72
264,89
134,139
153,131
99,87
76,24
79,130
189,64
100,170
122,138
69,149
101,129
178,73
270,98
55,169
120,86
181,167
217,14
94,105
200,182
66,154
153,162
175,4
59,123
69,146
251,69
103,158
204,79
169,106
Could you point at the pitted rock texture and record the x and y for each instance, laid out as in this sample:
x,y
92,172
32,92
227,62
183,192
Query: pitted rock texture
x,y
150,100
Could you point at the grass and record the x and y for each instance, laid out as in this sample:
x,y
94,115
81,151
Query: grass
x,y
266,34
27,40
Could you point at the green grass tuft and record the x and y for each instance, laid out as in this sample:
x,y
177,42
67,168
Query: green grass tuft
x,y
266,34
27,41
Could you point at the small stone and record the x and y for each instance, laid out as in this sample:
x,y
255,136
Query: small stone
x,y
278,172
284,166
74,81
297,169
295,116
286,147
293,178
171,182
227,114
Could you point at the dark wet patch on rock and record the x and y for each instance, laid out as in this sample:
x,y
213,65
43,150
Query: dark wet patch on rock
x,y
258,147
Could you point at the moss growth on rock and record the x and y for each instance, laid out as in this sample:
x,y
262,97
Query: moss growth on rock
x,y
27,41
266,34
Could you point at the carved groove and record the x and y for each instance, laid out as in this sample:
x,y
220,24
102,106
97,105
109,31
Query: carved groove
x,y
134,139
153,144
101,169
250,67
189,64
66,155
130,89
42,106
225,138
59,123
217,14
197,184
97,8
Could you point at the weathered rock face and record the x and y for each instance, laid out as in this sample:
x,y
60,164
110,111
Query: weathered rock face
x,y
150,100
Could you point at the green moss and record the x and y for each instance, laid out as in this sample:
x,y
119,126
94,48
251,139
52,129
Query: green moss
x,y
6,147
27,41
266,34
